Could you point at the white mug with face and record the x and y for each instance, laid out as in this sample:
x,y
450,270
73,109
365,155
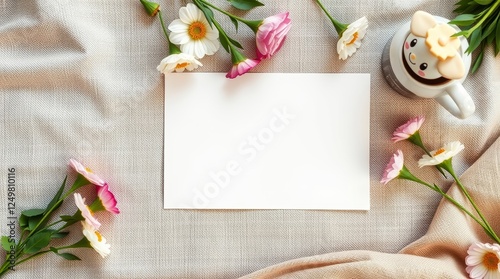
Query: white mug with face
x,y
423,60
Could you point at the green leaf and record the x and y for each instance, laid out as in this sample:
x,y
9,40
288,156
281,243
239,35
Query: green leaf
x,y
497,41
235,22
463,20
33,212
475,40
36,242
461,33
478,62
245,5
483,2
66,218
235,43
23,221
33,222
58,235
57,196
6,243
224,42
67,256
491,27
209,15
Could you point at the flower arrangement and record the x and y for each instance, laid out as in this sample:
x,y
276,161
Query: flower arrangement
x,y
483,259
480,21
197,33
350,34
38,229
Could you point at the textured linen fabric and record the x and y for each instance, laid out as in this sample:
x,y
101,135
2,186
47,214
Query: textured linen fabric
x,y
78,80
440,253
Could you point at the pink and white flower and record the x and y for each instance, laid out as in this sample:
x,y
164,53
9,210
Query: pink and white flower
x,y
408,129
242,67
393,168
483,261
86,172
271,35
107,199
86,212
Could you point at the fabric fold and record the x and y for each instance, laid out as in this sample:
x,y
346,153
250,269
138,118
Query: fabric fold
x,y
440,253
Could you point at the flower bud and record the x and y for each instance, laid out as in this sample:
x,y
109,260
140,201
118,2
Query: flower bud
x,y
152,8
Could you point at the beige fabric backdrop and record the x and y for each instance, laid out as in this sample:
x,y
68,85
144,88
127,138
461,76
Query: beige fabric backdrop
x,y
78,80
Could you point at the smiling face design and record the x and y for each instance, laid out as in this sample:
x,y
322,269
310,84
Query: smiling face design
x,y
419,59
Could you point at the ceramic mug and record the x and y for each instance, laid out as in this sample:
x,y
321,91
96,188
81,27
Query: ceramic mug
x,y
423,60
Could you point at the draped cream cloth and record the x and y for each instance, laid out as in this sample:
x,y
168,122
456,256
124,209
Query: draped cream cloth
x,y
440,253
78,80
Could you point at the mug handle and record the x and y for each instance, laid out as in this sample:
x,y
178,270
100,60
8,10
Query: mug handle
x,y
457,101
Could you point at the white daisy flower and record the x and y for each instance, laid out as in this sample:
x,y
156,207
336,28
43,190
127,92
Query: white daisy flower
x,y
438,156
351,38
483,261
193,33
96,240
178,62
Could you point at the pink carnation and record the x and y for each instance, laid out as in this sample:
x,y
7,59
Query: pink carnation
x,y
242,67
107,199
407,130
393,168
271,35
86,172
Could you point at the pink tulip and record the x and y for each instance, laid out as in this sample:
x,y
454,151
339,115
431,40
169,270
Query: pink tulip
x,y
271,35
242,67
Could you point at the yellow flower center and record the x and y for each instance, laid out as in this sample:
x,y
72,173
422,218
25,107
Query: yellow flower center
x,y
354,38
181,65
197,30
88,170
490,261
439,151
99,236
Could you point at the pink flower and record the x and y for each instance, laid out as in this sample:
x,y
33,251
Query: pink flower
x,y
86,172
86,212
242,67
408,129
393,168
271,35
107,199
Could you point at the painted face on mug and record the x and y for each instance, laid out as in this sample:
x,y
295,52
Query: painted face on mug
x,y
419,59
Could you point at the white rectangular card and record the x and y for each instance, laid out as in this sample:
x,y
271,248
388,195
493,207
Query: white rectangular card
x,y
267,141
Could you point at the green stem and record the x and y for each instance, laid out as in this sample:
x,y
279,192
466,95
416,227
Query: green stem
x,y
405,174
339,27
53,224
416,139
254,25
223,34
173,49
483,18
32,256
5,268
466,193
